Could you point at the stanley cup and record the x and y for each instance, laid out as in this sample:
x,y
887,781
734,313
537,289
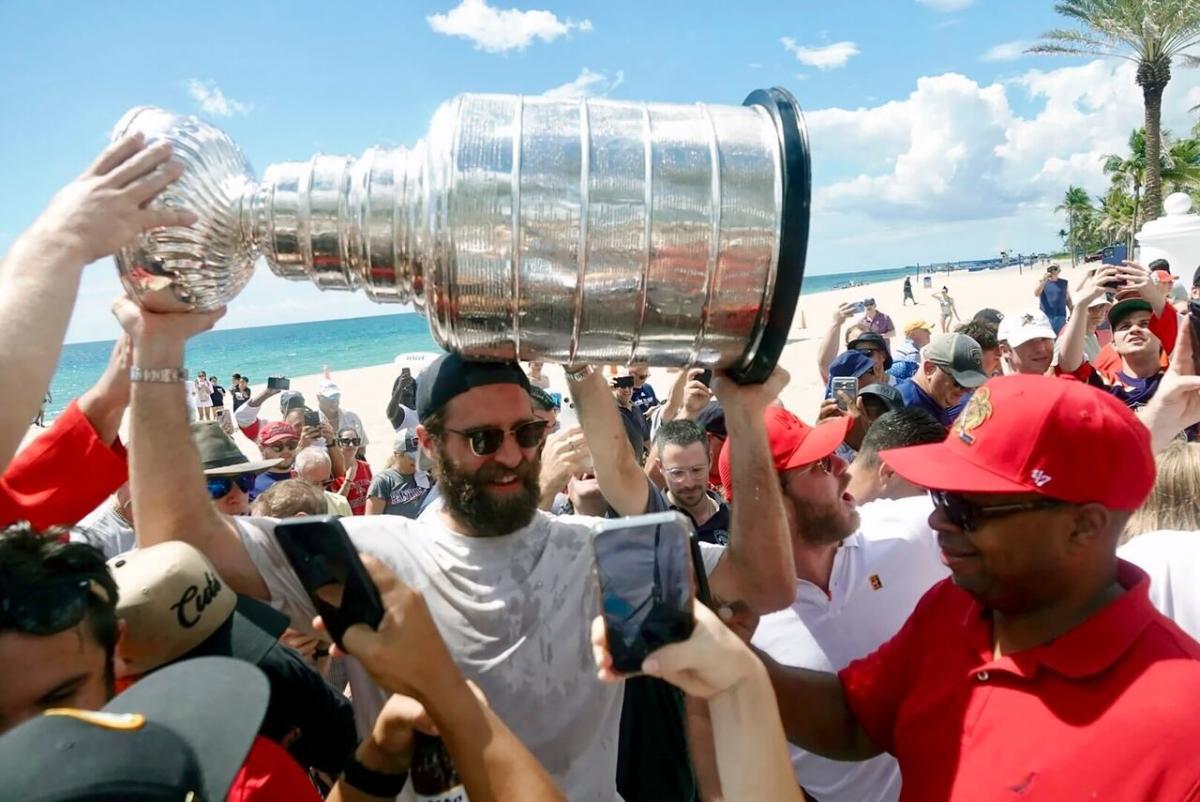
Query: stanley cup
x,y
572,231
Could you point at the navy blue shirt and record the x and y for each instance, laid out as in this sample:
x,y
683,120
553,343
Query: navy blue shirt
x,y
1054,298
914,396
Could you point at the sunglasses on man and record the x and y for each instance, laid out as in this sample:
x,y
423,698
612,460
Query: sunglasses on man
x,y
286,445
220,486
487,440
967,515
50,608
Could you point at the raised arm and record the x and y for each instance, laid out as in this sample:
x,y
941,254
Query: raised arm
x,y
166,481
1176,404
93,216
831,340
758,566
1070,349
618,473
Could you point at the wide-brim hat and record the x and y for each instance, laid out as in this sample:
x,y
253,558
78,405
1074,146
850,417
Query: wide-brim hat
x,y
220,456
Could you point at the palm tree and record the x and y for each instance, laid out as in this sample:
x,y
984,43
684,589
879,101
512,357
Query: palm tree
x,y
1130,173
1077,204
1147,32
1117,216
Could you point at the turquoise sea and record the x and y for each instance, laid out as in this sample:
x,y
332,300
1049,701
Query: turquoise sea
x,y
299,349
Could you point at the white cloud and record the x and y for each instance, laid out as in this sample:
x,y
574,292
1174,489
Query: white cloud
x,y
946,5
953,167
829,57
1007,51
587,84
497,30
213,101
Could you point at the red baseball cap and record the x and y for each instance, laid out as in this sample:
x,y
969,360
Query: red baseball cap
x,y
275,431
793,442
1038,434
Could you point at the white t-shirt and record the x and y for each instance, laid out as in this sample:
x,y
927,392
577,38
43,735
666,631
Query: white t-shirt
x,y
515,612
1172,559
105,530
879,574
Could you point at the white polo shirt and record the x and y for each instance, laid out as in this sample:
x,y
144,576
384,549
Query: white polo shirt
x,y
1172,559
879,574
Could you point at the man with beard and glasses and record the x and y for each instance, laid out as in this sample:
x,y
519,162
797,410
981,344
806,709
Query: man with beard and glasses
x,y
859,572
1041,670
510,588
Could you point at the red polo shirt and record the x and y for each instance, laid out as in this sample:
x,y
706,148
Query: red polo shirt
x,y
63,475
1107,711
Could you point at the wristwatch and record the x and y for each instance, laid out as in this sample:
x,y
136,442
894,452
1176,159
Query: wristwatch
x,y
158,375
580,373
371,782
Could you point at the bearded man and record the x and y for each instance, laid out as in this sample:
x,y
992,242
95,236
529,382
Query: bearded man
x,y
509,587
859,573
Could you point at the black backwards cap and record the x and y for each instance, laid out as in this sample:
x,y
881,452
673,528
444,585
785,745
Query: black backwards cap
x,y
450,375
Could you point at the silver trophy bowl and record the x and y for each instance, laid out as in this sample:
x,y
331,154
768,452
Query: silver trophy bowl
x,y
571,231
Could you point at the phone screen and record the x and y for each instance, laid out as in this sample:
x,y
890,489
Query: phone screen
x,y
623,381
645,577
312,417
845,390
1194,327
278,383
705,378
331,572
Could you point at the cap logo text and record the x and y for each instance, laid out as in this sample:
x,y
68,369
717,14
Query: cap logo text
x,y
978,410
196,599
1040,477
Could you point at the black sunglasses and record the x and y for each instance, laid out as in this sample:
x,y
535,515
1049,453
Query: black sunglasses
x,y
348,441
487,440
966,515
219,486
51,608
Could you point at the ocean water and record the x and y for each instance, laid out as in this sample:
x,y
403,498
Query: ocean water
x,y
292,349
300,349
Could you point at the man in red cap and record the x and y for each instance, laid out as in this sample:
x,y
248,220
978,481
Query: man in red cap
x,y
277,441
859,573
1041,669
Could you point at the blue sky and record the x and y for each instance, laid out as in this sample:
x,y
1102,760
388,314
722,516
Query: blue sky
x,y
933,137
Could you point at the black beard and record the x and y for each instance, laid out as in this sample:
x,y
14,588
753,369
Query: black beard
x,y
469,502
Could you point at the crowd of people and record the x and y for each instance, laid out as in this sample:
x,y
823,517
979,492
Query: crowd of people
x,y
951,585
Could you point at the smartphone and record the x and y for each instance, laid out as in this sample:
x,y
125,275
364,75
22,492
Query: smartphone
x,y
845,390
858,307
1194,327
645,579
623,381
1114,254
312,417
705,378
321,554
278,383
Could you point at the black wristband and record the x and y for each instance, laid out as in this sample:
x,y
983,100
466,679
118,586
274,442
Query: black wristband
x,y
370,782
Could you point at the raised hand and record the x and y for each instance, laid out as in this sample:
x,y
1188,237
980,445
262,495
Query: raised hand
x,y
566,453
144,326
108,206
711,661
1176,404
406,653
750,397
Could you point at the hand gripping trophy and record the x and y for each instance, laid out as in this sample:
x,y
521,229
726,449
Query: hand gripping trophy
x,y
571,231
